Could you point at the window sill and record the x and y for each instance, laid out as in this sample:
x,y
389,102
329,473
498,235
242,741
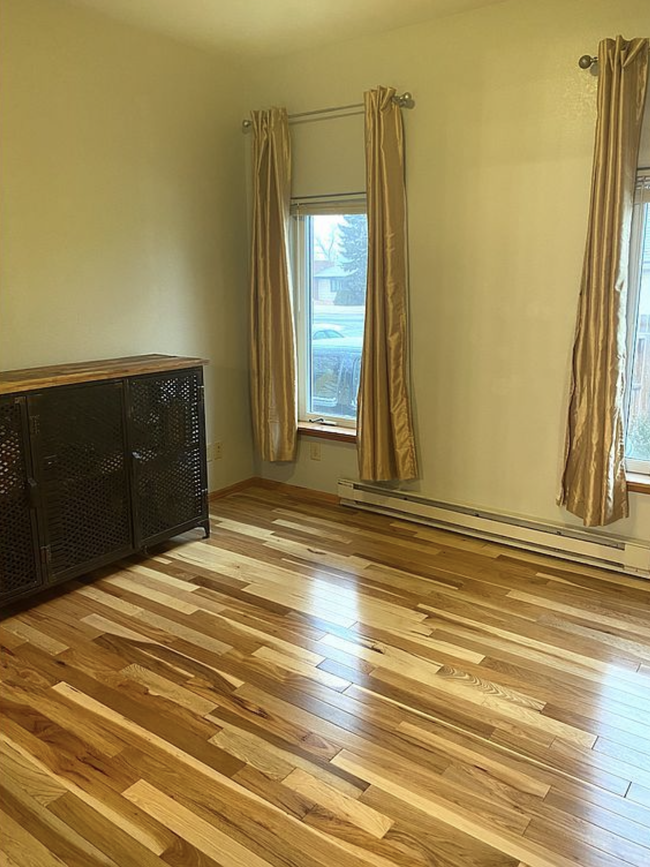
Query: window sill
x,y
327,432
638,483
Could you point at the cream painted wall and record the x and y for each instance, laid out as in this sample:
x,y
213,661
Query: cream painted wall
x,y
499,156
123,219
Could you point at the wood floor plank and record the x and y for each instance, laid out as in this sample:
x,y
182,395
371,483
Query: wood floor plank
x,y
93,792
427,840
460,819
61,714
315,686
588,612
102,833
352,811
27,777
22,848
254,752
9,639
63,841
263,817
157,685
130,582
501,768
203,836
40,639
277,762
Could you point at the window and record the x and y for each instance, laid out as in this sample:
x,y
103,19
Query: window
x,y
637,446
330,252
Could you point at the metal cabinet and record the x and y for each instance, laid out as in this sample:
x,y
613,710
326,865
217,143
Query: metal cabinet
x,y
95,471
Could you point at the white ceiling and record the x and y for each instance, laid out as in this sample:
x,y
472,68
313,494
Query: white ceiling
x,y
273,27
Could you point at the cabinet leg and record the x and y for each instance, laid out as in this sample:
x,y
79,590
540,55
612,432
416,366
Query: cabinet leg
x,y
206,528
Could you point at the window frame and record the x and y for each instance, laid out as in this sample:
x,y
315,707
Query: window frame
x,y
301,211
637,237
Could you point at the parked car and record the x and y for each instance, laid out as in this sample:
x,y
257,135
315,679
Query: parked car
x,y
322,331
336,370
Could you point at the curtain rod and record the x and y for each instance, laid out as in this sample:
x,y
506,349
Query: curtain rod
x,y
404,100
586,61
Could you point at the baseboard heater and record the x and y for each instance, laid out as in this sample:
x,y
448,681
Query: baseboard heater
x,y
609,552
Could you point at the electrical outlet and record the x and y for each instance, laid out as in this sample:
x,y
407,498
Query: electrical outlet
x,y
215,451
314,451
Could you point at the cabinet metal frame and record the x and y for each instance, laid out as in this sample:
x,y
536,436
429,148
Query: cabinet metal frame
x,y
34,483
141,542
32,501
50,578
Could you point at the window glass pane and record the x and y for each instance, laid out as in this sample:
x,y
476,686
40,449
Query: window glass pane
x,y
638,424
337,256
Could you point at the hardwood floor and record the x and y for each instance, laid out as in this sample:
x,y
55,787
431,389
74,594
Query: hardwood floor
x,y
320,687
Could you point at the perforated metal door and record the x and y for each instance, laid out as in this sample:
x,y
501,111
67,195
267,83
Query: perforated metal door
x,y
79,442
167,438
19,571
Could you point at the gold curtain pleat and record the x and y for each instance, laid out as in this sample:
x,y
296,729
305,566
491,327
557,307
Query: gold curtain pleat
x,y
273,365
593,483
386,443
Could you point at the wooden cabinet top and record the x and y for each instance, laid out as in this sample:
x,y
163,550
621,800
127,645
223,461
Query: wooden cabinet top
x,y
32,378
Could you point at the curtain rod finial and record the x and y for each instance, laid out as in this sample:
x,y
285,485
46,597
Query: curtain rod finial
x,y
404,100
587,61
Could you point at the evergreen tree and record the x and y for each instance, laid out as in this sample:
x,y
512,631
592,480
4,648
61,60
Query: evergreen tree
x,y
353,244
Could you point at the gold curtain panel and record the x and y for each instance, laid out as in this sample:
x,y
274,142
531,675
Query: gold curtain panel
x,y
593,483
273,365
385,429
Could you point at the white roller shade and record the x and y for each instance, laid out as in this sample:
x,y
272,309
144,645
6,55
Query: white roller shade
x,y
329,205
328,156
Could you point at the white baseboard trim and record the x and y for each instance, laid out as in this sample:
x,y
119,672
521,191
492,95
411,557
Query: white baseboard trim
x,y
609,552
